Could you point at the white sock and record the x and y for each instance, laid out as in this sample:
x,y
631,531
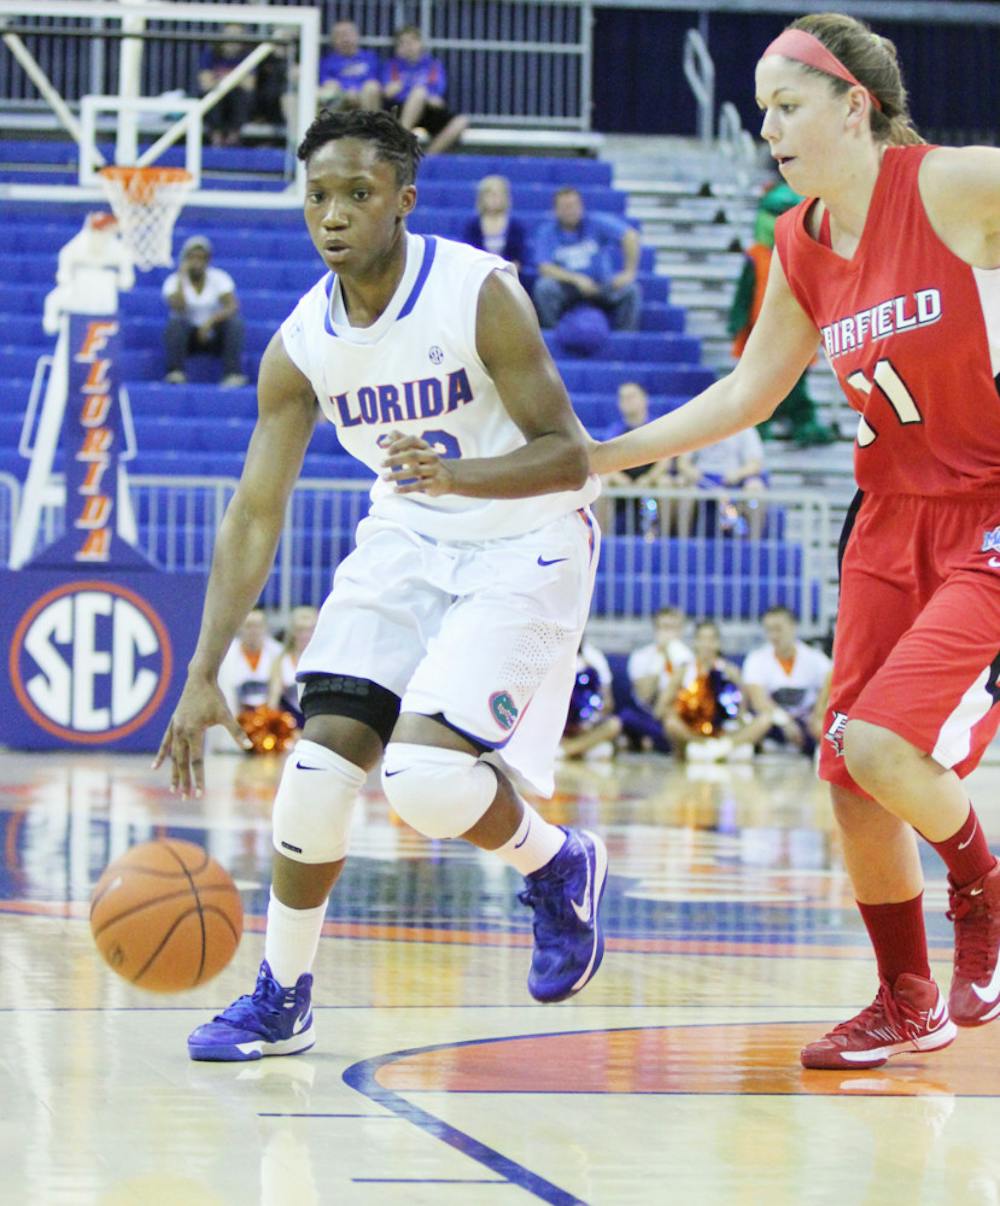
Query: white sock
x,y
292,940
535,843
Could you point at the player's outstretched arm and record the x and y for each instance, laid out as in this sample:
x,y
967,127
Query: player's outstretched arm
x,y
511,347
244,554
781,345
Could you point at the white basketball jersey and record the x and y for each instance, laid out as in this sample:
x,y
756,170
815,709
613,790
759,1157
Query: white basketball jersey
x,y
417,370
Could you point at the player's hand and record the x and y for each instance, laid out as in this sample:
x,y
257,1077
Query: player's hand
x,y
200,706
587,285
205,332
415,467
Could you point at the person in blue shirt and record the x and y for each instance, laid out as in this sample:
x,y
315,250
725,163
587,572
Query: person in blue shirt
x,y
578,255
348,75
413,85
494,228
227,117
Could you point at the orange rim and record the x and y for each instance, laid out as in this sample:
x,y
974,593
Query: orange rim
x,y
142,183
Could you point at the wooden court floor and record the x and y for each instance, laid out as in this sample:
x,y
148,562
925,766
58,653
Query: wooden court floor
x,y
436,1079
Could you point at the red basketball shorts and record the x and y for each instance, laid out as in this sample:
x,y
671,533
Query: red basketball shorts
x,y
917,643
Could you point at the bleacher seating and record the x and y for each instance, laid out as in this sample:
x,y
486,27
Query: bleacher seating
x,y
270,256
198,429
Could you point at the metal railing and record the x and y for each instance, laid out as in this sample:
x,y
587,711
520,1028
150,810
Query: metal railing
x,y
699,71
10,502
722,555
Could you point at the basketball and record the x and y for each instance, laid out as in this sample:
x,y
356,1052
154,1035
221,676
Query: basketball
x,y
166,916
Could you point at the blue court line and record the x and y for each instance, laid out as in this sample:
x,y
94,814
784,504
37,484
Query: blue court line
x,y
430,1180
361,1076
279,1114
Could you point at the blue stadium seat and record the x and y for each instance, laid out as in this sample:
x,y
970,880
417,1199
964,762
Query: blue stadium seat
x,y
199,429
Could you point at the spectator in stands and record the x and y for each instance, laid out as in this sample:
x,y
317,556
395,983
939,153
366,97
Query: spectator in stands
x,y
272,103
649,669
494,228
591,725
643,515
797,412
282,690
204,315
245,673
226,118
577,255
738,460
414,84
702,707
784,678
349,75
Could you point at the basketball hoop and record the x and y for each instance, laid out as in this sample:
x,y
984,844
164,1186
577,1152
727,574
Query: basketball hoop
x,y
146,202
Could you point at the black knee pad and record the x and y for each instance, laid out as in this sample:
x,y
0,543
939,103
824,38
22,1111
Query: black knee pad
x,y
356,698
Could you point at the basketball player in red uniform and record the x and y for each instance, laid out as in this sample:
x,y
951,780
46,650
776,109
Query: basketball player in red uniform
x,y
893,262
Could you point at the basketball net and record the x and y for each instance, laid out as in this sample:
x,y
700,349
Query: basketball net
x,y
146,202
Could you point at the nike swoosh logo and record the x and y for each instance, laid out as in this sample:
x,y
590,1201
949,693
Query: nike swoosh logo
x,y
938,1011
962,845
302,766
994,563
553,561
992,990
518,845
389,774
583,910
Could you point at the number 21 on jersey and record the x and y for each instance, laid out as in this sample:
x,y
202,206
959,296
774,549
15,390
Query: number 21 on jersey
x,y
895,392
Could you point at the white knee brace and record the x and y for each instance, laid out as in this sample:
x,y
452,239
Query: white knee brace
x,y
441,793
313,807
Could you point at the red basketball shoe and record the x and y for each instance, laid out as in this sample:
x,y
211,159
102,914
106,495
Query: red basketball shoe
x,y
909,1016
975,985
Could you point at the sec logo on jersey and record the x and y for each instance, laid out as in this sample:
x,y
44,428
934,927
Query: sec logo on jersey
x,y
90,661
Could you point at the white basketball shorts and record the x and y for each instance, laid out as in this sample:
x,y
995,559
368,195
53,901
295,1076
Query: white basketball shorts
x,y
484,633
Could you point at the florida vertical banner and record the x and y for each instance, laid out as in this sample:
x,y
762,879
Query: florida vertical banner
x,y
96,639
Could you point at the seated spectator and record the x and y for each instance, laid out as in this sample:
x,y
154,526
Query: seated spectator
x,y
702,706
785,678
591,725
495,229
245,674
272,101
642,515
282,690
738,460
349,75
228,116
204,315
649,670
576,254
413,85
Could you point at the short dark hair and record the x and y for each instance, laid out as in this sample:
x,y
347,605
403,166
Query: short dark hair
x,y
394,144
779,609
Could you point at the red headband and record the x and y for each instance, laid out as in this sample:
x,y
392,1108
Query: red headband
x,y
804,48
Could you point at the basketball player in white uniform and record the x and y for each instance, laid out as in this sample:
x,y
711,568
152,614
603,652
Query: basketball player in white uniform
x,y
448,639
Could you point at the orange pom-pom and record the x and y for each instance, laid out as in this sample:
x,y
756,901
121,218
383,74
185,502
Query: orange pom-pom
x,y
270,730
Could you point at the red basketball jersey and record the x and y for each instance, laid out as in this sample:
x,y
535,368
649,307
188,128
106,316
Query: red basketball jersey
x,y
913,334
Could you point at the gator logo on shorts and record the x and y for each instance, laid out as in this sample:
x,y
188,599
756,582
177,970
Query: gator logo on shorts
x,y
835,733
504,710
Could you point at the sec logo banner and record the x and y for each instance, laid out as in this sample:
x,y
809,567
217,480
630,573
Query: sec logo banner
x,y
90,661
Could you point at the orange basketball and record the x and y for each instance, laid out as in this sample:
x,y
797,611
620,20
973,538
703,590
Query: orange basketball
x,y
166,916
